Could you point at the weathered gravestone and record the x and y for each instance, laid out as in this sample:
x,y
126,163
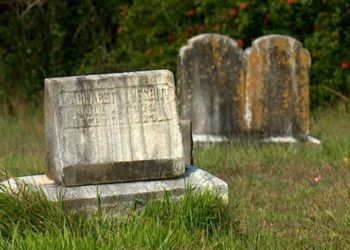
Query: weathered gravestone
x,y
103,129
264,93
277,88
186,131
210,86
112,128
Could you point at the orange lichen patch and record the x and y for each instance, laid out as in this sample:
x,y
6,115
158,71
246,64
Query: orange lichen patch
x,y
218,59
281,74
254,90
239,99
280,45
304,90
286,101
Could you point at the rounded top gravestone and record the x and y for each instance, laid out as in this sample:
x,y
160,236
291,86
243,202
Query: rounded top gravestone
x,y
277,87
209,86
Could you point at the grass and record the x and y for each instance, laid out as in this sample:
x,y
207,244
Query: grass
x,y
22,146
281,196
29,221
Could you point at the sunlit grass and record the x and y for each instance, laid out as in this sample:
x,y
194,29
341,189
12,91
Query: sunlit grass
x,y
283,195
299,193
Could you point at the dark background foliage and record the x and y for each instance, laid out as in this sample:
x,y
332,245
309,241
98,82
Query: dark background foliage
x,y
42,38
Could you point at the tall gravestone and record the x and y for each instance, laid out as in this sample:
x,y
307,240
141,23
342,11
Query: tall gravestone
x,y
277,87
112,128
210,86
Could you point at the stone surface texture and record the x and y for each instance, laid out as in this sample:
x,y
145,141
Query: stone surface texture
x,y
210,85
276,93
186,131
117,198
112,128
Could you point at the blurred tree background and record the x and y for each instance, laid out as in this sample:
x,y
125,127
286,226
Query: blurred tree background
x,y
42,38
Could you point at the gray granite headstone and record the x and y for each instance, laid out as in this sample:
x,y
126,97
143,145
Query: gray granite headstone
x,y
277,87
112,128
210,86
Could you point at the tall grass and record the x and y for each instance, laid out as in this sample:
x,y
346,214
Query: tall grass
x,y
29,221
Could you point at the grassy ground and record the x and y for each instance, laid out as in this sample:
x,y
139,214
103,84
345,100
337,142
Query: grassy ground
x,y
284,196
22,146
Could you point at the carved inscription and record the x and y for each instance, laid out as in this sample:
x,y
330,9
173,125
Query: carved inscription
x,y
116,106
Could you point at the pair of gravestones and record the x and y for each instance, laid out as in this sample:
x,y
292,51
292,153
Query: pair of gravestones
x,y
230,93
115,138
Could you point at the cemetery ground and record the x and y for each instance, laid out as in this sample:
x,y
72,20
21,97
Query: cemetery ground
x,y
280,195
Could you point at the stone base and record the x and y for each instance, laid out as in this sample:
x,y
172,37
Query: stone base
x,y
277,139
117,198
290,139
210,138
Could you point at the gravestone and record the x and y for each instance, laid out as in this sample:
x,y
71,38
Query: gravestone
x,y
186,131
277,88
210,86
112,128
113,140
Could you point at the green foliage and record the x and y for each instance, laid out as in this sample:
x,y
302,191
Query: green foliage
x,y
55,38
23,48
